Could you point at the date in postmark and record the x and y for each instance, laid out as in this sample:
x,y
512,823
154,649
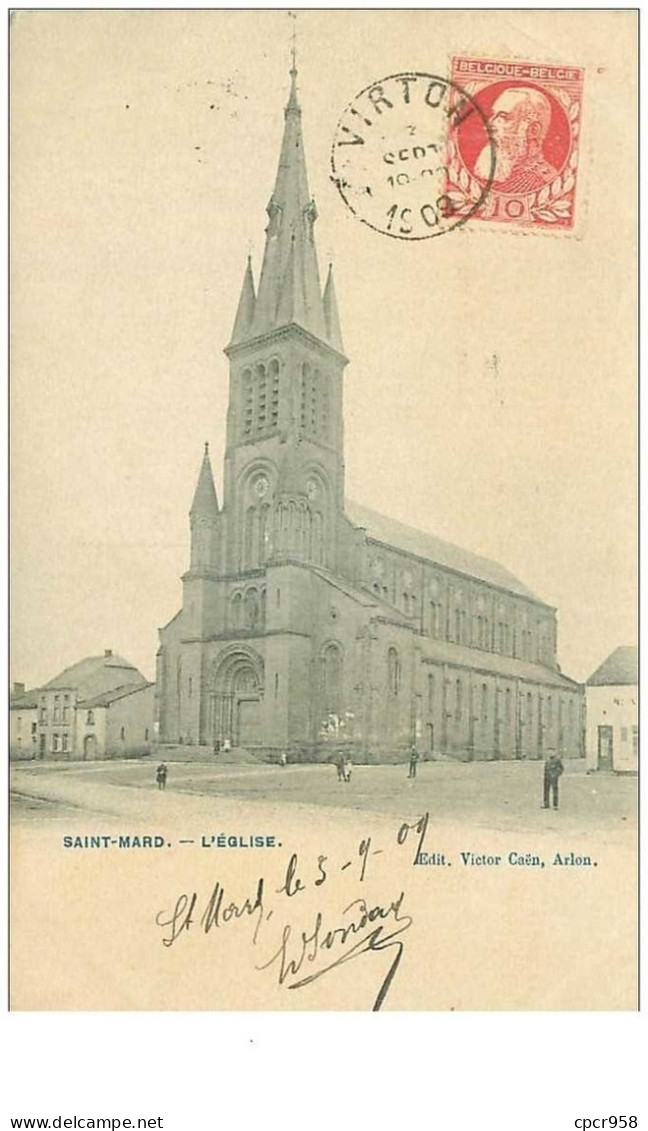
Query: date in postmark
x,y
534,116
389,159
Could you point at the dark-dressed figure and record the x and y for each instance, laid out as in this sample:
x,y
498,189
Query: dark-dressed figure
x,y
413,762
553,768
161,775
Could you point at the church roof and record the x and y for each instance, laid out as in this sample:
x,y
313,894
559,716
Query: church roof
x,y
205,500
621,667
424,545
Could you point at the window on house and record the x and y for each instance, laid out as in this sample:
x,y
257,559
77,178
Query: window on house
x,y
55,743
34,728
90,719
65,743
43,716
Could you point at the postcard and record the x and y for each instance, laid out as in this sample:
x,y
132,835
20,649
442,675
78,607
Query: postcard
x,y
323,471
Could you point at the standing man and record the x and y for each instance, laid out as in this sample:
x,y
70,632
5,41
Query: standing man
x,y
553,768
413,762
161,775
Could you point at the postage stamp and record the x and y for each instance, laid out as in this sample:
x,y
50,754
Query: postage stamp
x,y
531,114
389,156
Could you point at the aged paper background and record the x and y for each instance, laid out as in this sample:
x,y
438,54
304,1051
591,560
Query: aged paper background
x,y
134,205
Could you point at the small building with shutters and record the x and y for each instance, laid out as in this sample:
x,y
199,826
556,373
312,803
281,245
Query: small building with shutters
x,y
612,713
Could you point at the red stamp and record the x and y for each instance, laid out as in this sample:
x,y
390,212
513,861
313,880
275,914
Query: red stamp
x,y
531,119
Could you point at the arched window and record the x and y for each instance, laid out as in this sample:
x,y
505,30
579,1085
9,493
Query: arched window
x,y
331,679
251,608
263,534
507,704
430,692
236,606
458,699
251,539
484,702
529,710
393,671
247,395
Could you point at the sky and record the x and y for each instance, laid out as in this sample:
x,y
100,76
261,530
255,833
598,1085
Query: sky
x,y
491,392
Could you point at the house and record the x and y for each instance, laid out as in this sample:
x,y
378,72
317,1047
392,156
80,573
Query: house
x,y
612,713
23,722
101,706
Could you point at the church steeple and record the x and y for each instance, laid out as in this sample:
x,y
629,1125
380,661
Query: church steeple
x,y
289,287
331,316
205,500
245,311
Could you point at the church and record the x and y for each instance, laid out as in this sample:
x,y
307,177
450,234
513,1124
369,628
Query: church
x,y
309,623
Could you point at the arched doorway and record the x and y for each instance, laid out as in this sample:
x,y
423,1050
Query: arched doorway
x,y
90,747
236,698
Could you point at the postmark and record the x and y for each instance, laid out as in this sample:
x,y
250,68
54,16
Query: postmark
x,y
389,155
534,113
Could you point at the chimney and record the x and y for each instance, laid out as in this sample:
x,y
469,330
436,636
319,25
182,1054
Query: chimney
x,y
18,689
107,653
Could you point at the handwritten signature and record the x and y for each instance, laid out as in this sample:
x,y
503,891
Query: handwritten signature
x,y
304,955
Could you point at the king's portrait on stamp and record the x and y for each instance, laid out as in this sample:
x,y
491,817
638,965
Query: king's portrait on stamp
x,y
324,597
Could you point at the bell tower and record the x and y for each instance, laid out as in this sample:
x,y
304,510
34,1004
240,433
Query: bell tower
x,y
284,467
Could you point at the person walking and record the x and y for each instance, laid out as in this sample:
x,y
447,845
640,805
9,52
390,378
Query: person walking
x,y
347,767
161,775
339,765
413,762
553,768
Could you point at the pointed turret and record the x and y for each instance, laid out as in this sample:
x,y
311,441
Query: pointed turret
x,y
205,500
289,287
331,316
245,311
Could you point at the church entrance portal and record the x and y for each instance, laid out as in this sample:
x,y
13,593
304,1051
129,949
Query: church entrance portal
x,y
235,701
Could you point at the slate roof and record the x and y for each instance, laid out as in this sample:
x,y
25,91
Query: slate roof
x,y
424,545
109,697
23,702
621,667
95,675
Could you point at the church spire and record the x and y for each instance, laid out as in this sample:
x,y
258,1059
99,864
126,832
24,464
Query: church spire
x,y
289,287
205,501
245,311
331,316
